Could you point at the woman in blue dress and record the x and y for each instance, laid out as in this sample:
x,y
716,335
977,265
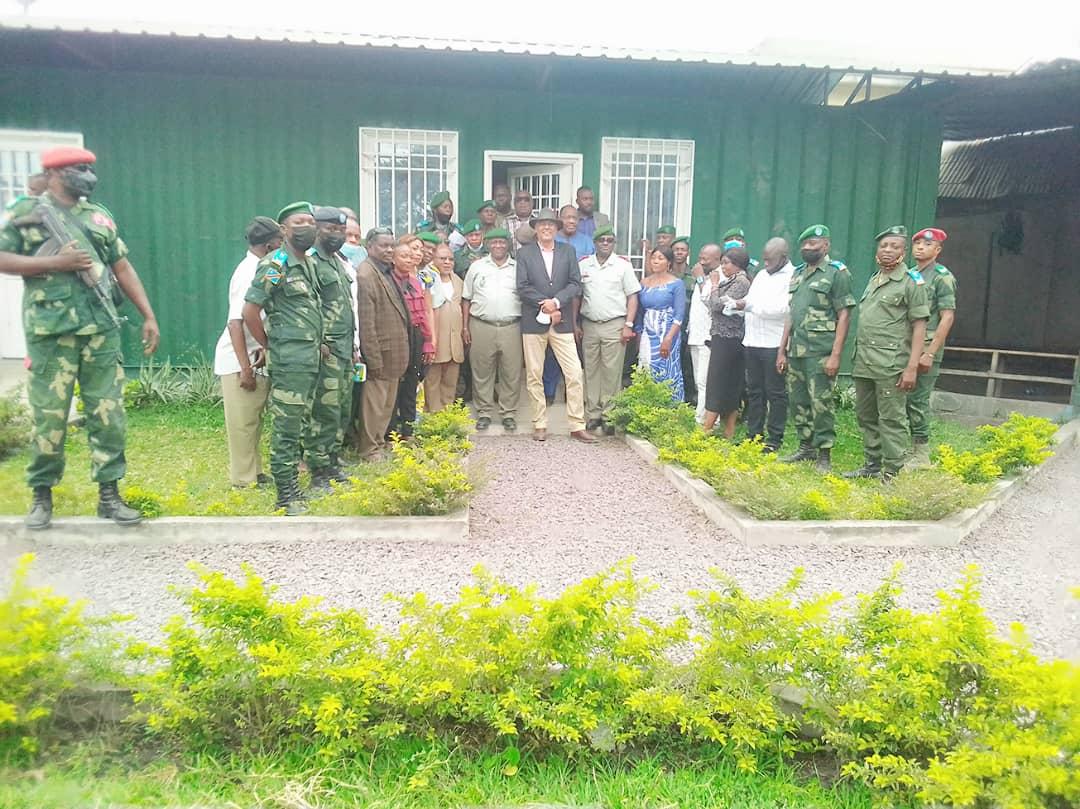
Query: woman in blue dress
x,y
661,310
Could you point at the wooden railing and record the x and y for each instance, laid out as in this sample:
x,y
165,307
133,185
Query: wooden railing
x,y
995,374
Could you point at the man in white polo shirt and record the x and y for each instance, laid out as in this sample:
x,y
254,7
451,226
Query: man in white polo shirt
x,y
766,309
240,362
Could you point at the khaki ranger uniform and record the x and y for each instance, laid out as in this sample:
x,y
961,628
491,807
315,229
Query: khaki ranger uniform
x,y
891,303
818,294
494,314
287,289
940,295
605,288
332,405
71,336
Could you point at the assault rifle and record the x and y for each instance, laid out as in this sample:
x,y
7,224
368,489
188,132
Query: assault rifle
x,y
59,233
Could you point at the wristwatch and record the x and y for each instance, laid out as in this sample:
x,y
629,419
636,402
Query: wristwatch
x,y
628,324
699,280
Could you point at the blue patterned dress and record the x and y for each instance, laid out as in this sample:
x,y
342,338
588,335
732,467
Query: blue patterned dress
x,y
658,308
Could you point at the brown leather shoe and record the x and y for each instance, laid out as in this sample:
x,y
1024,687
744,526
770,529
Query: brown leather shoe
x,y
583,436
539,435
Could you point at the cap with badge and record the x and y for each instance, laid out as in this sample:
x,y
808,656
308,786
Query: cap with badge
x,y
438,199
735,233
666,229
260,230
63,156
472,226
294,207
602,231
487,203
814,232
428,236
497,233
684,239
931,235
895,230
329,215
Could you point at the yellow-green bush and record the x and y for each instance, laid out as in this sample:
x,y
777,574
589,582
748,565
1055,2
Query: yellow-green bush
x,y
1020,442
14,424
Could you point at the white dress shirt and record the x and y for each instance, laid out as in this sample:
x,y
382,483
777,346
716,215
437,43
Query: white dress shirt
x,y
767,307
225,361
700,322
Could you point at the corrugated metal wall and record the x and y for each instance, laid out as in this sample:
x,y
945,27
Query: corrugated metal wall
x,y
186,160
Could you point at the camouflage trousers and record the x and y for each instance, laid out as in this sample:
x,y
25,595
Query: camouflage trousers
x,y
291,395
881,409
56,363
918,404
330,412
810,395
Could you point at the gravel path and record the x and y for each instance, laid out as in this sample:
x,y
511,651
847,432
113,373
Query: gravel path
x,y
557,512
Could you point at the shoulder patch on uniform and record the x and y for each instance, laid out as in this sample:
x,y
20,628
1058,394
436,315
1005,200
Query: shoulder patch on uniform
x,y
942,269
916,276
800,267
15,201
310,251
98,218
273,275
423,224
754,262
279,258
838,265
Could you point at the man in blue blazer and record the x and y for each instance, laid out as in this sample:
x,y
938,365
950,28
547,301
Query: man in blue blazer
x,y
548,281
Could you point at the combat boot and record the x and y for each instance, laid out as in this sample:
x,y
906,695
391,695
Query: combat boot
x,y
867,470
920,455
805,453
41,508
289,498
320,481
824,461
112,507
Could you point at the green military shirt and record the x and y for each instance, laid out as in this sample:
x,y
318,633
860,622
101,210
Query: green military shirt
x,y
464,258
940,295
335,294
889,305
60,302
287,290
817,296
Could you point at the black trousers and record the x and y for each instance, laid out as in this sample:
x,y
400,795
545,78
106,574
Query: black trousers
x,y
690,391
766,390
405,407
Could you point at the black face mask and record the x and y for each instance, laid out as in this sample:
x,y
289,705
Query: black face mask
x,y
811,256
332,243
302,237
80,182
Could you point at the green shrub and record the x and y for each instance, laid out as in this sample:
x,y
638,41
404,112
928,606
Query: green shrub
x,y
47,647
1022,441
202,385
147,503
15,426
453,424
844,396
647,409
156,385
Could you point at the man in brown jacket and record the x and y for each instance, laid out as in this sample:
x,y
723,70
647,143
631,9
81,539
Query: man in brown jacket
x,y
384,340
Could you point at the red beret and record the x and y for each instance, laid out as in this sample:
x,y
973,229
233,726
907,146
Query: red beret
x,y
934,234
66,156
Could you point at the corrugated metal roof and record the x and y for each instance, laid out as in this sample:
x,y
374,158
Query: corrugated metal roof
x,y
813,58
1033,164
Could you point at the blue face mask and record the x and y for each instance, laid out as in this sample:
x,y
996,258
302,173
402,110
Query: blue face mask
x,y
354,253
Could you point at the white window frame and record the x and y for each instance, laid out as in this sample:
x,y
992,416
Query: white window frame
x,y
368,137
683,150
32,142
574,160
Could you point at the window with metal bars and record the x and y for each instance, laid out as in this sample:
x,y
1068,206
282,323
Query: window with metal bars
x,y
400,170
646,183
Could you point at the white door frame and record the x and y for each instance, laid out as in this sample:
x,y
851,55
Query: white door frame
x,y
574,160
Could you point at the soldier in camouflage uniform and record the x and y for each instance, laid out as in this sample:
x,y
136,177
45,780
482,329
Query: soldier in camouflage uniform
x,y
941,296
286,286
811,345
888,342
330,411
72,327
473,250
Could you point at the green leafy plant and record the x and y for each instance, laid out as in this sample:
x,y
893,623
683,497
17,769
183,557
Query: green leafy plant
x,y
47,647
1022,441
14,424
203,386
147,503
156,384
844,396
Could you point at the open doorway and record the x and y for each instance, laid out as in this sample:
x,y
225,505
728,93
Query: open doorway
x,y
551,177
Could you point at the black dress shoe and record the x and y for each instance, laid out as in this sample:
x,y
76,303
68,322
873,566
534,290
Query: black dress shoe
x,y
593,424
609,429
483,423
509,424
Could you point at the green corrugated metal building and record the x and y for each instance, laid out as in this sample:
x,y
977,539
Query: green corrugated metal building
x,y
196,135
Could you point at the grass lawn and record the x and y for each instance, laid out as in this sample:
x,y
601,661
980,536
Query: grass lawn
x,y
177,452
422,778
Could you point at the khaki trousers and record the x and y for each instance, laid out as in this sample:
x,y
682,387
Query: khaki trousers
x,y
380,396
564,347
603,350
440,385
243,426
495,349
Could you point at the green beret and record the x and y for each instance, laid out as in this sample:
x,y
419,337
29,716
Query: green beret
x,y
735,232
472,226
487,203
605,230
814,232
439,199
670,229
684,239
497,233
895,230
294,207
428,236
